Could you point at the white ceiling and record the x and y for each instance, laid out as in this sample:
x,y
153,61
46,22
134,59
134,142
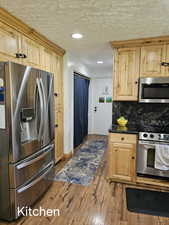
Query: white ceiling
x,y
100,21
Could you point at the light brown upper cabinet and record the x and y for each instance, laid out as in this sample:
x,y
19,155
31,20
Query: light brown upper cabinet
x,y
58,83
151,58
32,50
9,43
126,74
167,60
47,60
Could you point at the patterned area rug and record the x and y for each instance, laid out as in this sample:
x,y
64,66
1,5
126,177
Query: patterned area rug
x,y
81,169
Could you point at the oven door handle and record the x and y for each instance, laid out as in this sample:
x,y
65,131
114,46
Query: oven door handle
x,y
148,143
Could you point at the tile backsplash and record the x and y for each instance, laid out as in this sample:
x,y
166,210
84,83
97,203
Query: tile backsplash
x,y
142,114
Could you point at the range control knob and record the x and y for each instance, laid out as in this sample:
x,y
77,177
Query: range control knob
x,y
151,135
145,135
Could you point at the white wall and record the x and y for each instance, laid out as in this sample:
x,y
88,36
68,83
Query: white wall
x,y
71,64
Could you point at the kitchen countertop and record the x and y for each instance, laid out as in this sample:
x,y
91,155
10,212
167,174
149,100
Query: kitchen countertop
x,y
126,130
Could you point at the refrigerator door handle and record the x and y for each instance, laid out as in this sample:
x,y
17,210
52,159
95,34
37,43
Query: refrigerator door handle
x,y
44,97
21,90
50,165
50,90
45,114
25,164
41,108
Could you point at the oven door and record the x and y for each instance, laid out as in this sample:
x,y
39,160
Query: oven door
x,y
146,159
154,90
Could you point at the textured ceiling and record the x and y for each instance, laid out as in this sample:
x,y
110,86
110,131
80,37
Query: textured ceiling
x,y
100,21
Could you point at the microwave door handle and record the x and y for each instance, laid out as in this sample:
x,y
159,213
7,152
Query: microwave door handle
x,y
41,108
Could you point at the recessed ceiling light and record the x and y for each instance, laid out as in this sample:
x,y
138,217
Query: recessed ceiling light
x,y
99,62
77,36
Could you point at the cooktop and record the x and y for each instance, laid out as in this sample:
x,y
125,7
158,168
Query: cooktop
x,y
154,129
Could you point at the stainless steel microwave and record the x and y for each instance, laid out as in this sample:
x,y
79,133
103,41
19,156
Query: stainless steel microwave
x,y
154,90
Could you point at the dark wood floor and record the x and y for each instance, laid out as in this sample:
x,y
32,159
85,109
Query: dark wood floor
x,y
98,204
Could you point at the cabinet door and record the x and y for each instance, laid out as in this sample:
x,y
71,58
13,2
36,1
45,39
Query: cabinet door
x,y
122,161
167,60
9,43
58,82
58,101
47,60
126,74
58,136
151,58
32,50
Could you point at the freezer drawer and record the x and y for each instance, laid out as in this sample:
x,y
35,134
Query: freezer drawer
x,y
25,170
28,194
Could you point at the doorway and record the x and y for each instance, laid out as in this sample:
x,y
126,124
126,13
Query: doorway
x,y
81,101
101,105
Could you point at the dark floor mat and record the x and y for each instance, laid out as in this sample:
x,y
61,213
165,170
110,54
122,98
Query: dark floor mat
x,y
148,202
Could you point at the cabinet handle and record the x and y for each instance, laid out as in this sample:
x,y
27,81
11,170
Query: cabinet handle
x,y
122,138
56,125
136,82
133,157
55,94
20,55
164,64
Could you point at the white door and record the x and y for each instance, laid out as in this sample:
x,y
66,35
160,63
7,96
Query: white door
x,y
101,105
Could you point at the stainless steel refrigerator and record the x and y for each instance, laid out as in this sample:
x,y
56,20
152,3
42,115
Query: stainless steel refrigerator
x,y
26,136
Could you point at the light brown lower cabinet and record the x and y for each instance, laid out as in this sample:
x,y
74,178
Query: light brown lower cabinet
x,y
121,160
122,163
58,136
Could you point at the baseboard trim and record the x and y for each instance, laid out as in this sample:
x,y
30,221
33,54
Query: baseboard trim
x,y
68,155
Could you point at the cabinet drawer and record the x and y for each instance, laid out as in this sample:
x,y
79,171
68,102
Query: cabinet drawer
x,y
22,172
28,194
126,138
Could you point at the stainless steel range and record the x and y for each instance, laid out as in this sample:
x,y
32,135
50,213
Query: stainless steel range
x,y
146,153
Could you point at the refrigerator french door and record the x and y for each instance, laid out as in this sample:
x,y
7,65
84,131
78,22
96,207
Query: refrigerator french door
x,y
30,115
26,136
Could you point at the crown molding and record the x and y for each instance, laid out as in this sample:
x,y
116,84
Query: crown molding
x,y
17,24
140,42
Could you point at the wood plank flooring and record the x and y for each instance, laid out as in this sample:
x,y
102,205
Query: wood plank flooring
x,y
98,204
